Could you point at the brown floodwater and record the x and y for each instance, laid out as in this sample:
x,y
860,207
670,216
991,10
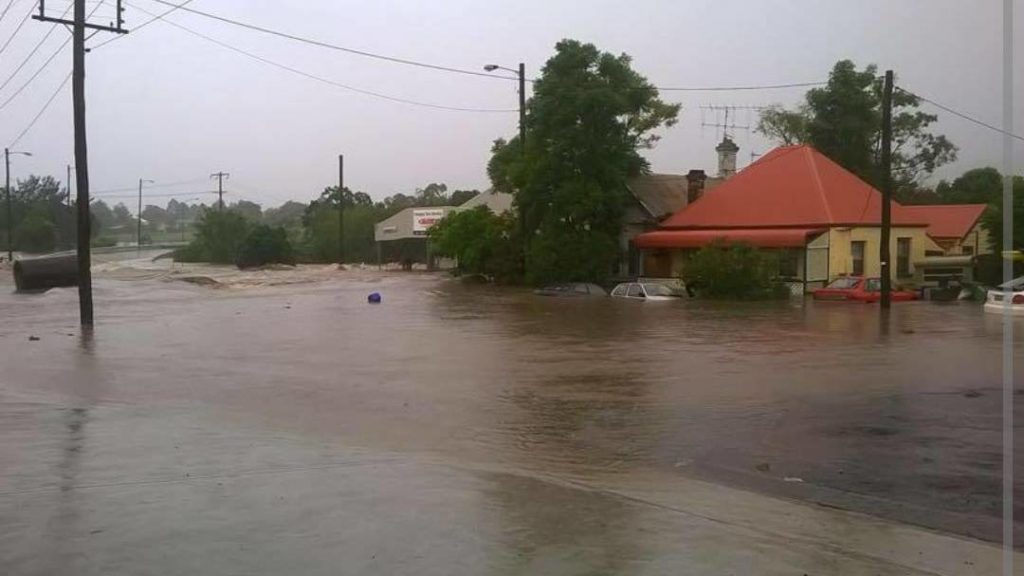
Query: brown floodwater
x,y
805,400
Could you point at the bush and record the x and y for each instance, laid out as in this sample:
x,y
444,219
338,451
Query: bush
x,y
35,234
104,241
481,241
265,245
219,237
734,271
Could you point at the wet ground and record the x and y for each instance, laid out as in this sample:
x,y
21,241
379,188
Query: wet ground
x,y
258,422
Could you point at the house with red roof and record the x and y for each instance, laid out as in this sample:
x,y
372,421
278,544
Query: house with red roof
x,y
824,222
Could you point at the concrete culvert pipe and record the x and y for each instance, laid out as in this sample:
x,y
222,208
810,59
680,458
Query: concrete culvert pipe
x,y
46,272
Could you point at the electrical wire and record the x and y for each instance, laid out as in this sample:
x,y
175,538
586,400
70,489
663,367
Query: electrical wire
x,y
6,9
66,78
327,80
45,106
18,29
33,52
43,67
152,185
173,8
739,88
322,44
959,114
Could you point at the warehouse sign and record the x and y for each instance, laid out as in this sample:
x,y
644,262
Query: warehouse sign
x,y
424,218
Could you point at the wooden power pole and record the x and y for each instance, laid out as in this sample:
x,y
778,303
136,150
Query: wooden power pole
x,y
341,209
78,26
886,168
220,176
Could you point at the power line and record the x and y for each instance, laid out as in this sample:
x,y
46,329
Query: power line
x,y
327,80
18,29
66,78
336,47
4,13
146,23
43,67
37,116
154,185
32,53
960,114
739,88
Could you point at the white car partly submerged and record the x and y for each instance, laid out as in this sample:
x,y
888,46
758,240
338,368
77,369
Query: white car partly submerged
x,y
650,291
995,301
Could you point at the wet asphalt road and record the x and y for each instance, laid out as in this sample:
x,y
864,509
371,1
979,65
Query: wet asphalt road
x,y
449,407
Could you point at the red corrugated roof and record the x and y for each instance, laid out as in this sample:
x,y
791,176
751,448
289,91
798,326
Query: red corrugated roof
x,y
793,186
947,220
759,237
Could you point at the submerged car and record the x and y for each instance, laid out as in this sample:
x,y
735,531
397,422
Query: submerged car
x,y
644,291
995,299
572,289
860,289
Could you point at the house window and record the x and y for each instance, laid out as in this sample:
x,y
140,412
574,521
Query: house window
x,y
902,257
789,264
857,250
967,250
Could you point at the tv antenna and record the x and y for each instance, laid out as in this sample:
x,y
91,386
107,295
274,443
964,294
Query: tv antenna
x,y
724,118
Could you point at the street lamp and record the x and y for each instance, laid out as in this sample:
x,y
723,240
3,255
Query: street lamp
x,y
138,235
521,73
10,211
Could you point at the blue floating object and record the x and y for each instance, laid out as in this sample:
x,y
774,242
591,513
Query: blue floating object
x,y
373,298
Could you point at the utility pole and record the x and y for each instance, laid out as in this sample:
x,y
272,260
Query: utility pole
x,y
522,108
69,185
220,176
341,209
883,249
78,25
10,211
138,233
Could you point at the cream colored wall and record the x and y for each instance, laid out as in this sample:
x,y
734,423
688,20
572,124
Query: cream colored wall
x,y
841,256
977,238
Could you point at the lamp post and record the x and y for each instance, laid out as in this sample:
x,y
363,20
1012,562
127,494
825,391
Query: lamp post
x,y
521,73
138,234
10,210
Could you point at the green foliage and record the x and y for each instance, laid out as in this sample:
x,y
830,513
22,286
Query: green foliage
x,y
482,242
977,186
460,197
588,119
992,219
843,120
251,211
734,271
42,221
35,234
104,242
265,245
219,237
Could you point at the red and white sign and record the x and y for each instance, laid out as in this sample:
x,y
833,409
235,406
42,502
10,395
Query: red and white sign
x,y
424,218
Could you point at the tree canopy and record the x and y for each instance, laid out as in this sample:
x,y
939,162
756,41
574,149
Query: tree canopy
x,y
843,120
590,116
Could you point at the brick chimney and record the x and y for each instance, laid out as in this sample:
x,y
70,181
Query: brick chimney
x,y
727,150
694,185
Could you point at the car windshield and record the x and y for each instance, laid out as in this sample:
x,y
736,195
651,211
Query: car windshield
x,y
654,289
844,283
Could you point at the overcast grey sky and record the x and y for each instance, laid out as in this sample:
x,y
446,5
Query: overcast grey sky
x,y
169,106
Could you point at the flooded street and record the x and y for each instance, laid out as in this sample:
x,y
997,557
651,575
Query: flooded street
x,y
274,422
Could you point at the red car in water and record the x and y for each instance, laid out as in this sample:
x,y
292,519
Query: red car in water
x,y
860,289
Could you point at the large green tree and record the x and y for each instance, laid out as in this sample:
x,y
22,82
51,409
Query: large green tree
x,y
843,120
590,116
977,186
992,220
